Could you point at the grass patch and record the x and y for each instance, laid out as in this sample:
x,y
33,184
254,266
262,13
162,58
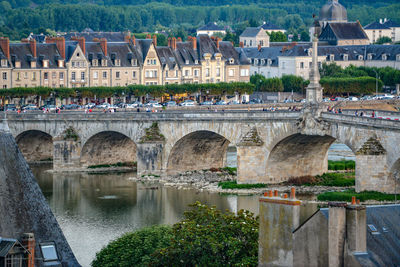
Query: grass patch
x,y
118,164
150,174
340,165
362,196
235,185
326,179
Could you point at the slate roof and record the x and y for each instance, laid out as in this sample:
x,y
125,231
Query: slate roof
x,y
250,32
270,26
184,53
143,46
122,51
69,49
206,45
376,26
211,26
5,245
21,52
166,56
229,52
265,53
343,31
93,49
89,36
391,23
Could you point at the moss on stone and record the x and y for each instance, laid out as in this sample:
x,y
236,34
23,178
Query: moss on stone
x,y
70,134
371,147
152,134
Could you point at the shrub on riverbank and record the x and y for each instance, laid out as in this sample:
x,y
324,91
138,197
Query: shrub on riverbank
x,y
134,249
326,179
235,185
339,165
118,164
362,196
205,237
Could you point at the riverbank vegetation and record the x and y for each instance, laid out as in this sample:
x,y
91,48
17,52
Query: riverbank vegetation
x,y
339,165
362,196
118,164
205,237
326,179
235,185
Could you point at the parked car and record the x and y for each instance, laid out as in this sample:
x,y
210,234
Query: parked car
x,y
30,107
135,104
170,104
255,101
388,96
326,99
187,103
352,98
103,106
10,107
90,105
207,103
221,102
71,106
366,97
233,102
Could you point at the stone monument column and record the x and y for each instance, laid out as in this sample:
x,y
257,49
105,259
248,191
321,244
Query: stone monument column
x,y
314,89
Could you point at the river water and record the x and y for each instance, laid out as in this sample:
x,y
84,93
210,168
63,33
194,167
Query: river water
x,y
94,209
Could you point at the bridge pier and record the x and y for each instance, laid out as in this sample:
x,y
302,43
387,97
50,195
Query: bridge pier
x,y
66,154
149,158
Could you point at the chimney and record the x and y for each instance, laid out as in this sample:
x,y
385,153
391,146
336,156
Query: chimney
x,y
241,44
279,217
148,36
380,21
356,228
81,41
5,46
103,44
169,42
179,39
32,44
217,41
259,47
155,40
127,38
194,43
336,233
60,43
96,40
133,39
28,241
173,43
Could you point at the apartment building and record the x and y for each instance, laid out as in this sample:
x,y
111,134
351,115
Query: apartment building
x,y
83,63
381,28
296,59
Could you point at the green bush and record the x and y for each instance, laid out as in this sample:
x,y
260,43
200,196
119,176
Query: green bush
x,y
362,196
235,185
134,249
341,165
326,179
209,237
350,85
230,170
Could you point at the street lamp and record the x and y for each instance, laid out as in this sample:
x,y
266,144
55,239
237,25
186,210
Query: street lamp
x,y
376,82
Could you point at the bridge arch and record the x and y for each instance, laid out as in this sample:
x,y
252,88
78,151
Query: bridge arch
x,y
35,145
198,150
299,155
108,147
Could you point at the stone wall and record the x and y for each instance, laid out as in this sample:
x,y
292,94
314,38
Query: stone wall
x,y
35,146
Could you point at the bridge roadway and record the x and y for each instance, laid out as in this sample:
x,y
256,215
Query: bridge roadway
x,y
271,146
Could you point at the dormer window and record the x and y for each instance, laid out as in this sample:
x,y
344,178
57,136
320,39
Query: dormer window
x,y
196,62
60,63
104,63
95,62
331,57
17,64
398,57
231,61
360,57
45,63
345,57
117,62
255,61
269,62
384,57
186,62
369,56
262,61
133,62
33,64
4,63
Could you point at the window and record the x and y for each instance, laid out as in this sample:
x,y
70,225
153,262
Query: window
x,y
369,56
187,73
244,72
196,73
251,42
301,65
384,57
73,63
155,73
345,57
4,63
77,54
166,73
360,57
61,76
283,65
45,64
207,72
95,75
134,74
398,57
33,76
262,42
231,72
46,76
176,73
4,75
218,72
104,74
331,57
147,74
18,76
73,76
25,75
53,75
4,86
118,62
82,75
49,251
95,63
117,75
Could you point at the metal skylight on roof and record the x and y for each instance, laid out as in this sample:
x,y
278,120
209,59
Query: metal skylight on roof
x,y
373,229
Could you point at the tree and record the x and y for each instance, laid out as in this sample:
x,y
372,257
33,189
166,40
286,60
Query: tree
x,y
134,249
209,237
293,83
277,37
304,36
383,40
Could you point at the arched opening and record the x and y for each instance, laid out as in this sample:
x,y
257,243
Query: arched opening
x,y
35,145
231,157
298,155
108,147
197,151
341,158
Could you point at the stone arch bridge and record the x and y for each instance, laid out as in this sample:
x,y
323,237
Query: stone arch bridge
x,y
271,146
